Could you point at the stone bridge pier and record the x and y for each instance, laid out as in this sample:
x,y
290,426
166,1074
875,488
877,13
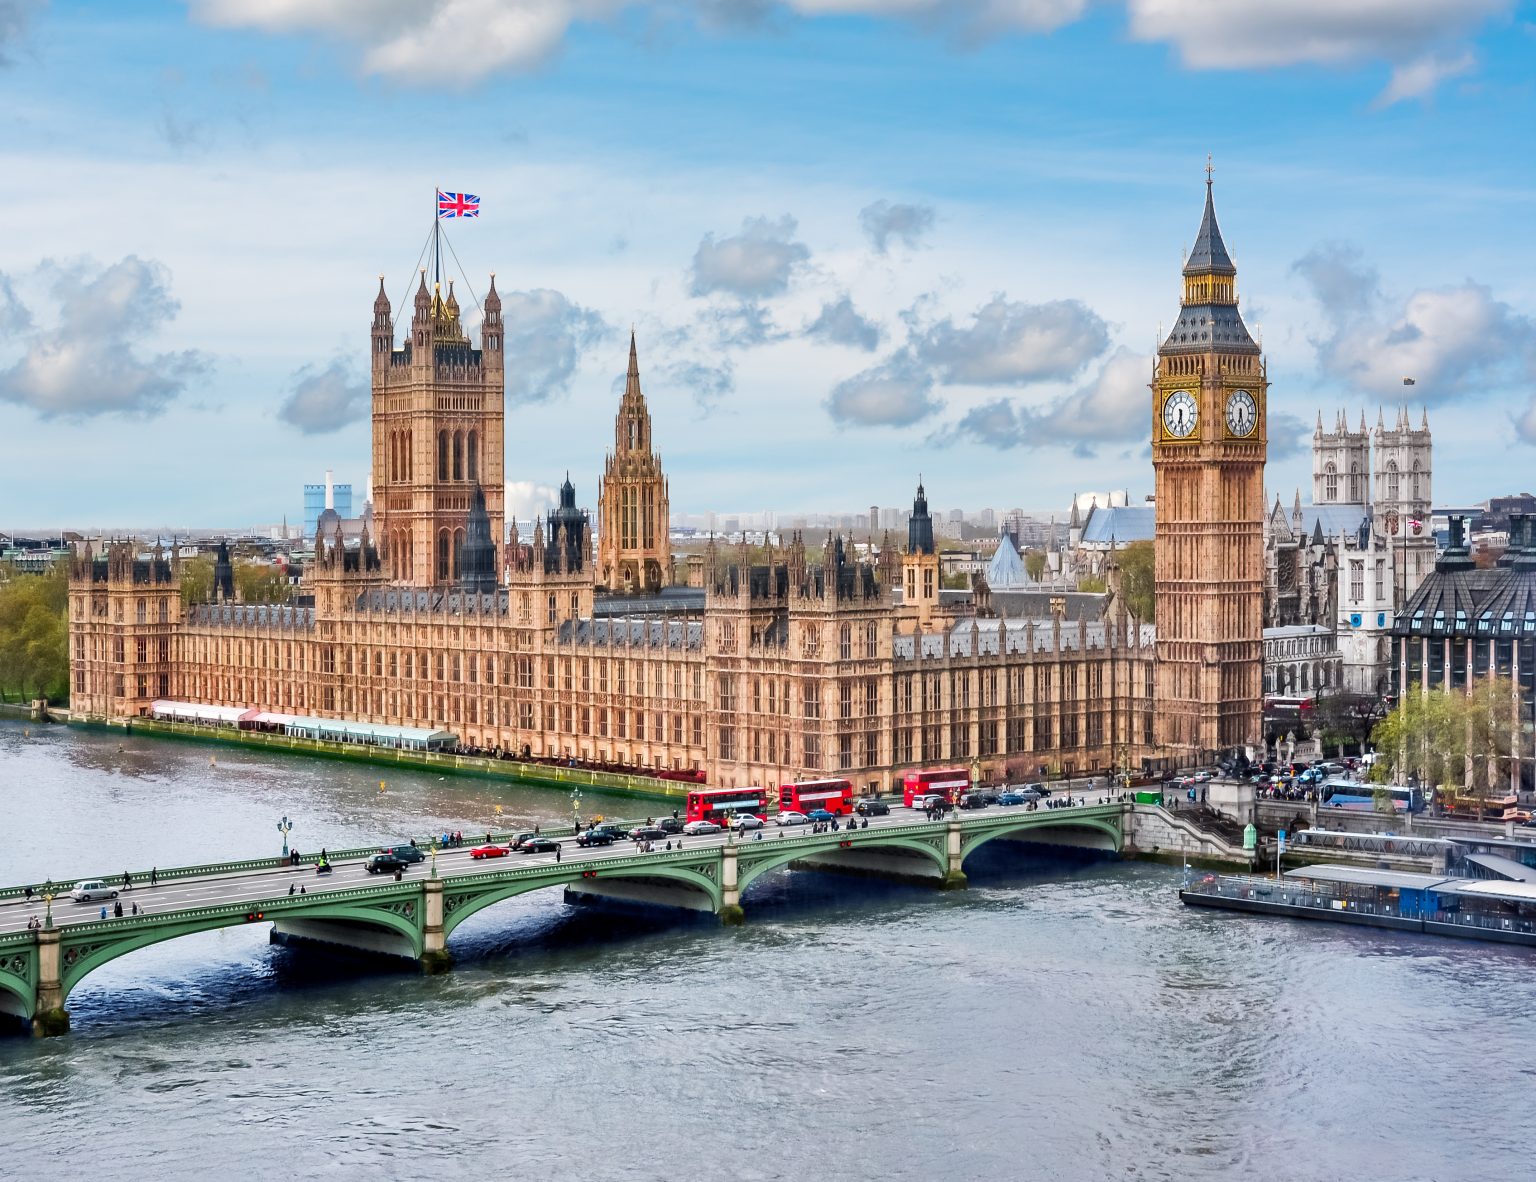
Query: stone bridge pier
x,y
48,1013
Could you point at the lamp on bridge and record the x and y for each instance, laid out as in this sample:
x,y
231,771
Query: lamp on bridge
x,y
285,827
575,810
432,846
48,893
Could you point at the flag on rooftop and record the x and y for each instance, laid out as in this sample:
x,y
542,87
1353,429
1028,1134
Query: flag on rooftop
x,y
457,205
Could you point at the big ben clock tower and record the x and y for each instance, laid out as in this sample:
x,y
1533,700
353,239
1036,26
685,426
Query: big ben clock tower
x,y
1208,445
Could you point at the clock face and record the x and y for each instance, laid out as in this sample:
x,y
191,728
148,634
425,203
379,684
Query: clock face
x,y
1180,414
1242,413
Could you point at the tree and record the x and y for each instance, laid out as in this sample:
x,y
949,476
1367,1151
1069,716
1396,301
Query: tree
x,y
256,582
1034,564
1091,583
1138,564
1458,742
1344,718
197,579
34,635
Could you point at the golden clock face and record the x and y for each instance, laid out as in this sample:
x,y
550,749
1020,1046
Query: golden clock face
x,y
1242,413
1180,414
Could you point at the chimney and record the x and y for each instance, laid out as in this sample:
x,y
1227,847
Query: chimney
x,y
330,490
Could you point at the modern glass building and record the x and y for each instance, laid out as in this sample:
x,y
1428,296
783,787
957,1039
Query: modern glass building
x,y
315,503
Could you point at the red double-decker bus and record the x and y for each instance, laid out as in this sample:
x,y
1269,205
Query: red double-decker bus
x,y
948,782
836,796
721,804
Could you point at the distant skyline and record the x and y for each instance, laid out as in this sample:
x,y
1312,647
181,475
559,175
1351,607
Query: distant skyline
x,y
857,241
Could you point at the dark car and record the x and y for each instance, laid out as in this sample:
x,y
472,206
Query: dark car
x,y
612,831
670,825
406,853
595,837
385,863
974,800
648,833
1009,798
522,839
538,845
872,808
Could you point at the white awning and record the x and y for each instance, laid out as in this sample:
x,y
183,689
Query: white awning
x,y
197,712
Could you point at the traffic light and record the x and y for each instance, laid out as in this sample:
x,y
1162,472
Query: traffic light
x,y
253,917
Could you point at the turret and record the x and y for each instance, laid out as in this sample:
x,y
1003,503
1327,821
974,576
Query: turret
x,y
383,328
491,329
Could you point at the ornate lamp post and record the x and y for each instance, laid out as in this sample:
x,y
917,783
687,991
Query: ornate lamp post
x,y
575,810
432,847
48,894
285,827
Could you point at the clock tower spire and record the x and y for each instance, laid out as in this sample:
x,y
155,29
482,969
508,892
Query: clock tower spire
x,y
1209,395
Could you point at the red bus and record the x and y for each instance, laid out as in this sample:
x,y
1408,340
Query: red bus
x,y
721,804
948,782
836,796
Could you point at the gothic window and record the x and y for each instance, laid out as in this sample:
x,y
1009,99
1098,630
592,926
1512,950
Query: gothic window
x,y
442,455
871,640
474,455
575,605
442,554
1356,580
458,455
845,642
928,590
1381,575
1331,482
552,609
1415,480
165,611
140,612
1356,493
458,551
1393,483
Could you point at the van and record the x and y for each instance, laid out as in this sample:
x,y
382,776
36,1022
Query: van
x,y
91,890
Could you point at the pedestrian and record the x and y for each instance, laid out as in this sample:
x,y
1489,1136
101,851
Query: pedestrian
x,y
103,911
536,829
29,894
135,908
292,890
117,910
557,853
398,873
303,890
127,881
324,857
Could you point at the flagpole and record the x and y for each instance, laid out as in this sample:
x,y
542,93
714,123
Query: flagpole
x,y
437,242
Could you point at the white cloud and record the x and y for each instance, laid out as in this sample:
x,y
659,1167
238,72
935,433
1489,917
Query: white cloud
x,y
1010,343
896,393
1114,406
15,16
842,324
1420,77
759,261
87,364
1233,34
546,335
1452,341
527,499
1289,436
907,224
325,400
1525,423
457,42
708,382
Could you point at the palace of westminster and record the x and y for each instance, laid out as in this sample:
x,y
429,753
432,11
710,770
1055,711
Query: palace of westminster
x,y
811,660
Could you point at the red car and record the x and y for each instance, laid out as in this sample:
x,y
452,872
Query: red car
x,y
489,851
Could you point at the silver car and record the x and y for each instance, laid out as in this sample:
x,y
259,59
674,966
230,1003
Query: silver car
x,y
744,821
91,891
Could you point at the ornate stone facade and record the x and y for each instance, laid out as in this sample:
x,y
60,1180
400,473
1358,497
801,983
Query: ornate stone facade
x,y
799,662
634,552
1208,448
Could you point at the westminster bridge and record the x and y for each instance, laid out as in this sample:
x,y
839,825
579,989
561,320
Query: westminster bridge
x,y
49,944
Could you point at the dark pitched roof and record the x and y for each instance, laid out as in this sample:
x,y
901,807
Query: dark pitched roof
x,y
1210,253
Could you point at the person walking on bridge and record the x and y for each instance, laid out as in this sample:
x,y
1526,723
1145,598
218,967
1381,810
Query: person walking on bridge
x,y
557,853
127,880
154,876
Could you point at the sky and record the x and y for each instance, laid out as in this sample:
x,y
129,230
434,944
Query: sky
x,y
858,240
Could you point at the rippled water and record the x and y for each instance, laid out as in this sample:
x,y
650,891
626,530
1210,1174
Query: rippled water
x,y
1061,1019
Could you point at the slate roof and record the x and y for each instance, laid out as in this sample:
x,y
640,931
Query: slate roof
x,y
1006,570
993,637
1122,523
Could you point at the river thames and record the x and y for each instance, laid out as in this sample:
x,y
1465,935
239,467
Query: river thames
x,y
1062,1019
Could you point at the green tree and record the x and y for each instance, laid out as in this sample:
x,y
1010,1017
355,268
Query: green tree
x,y
1034,564
1138,580
34,635
197,579
1091,583
1458,742
256,582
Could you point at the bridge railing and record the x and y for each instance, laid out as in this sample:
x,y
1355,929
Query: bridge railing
x,y
310,858
424,842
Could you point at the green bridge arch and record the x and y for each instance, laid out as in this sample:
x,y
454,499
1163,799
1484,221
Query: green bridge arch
x,y
87,947
755,864
463,898
974,838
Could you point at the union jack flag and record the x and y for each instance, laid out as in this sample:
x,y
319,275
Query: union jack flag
x,y
457,205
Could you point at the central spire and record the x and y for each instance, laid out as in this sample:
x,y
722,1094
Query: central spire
x,y
1210,255
1209,319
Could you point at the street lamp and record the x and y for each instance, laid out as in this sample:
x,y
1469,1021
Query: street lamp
x,y
48,894
575,810
285,827
432,846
